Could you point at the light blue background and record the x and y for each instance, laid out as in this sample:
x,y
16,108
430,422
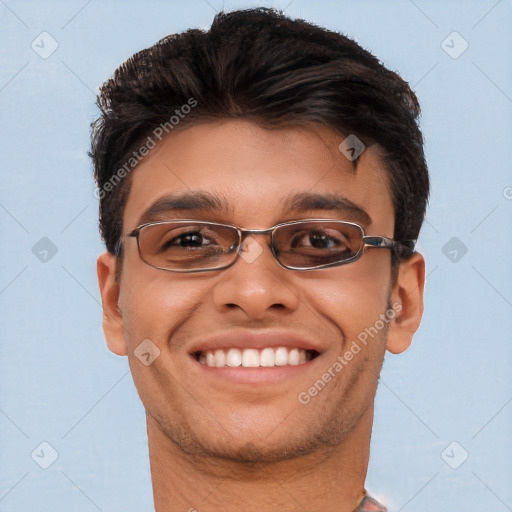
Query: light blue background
x,y
60,384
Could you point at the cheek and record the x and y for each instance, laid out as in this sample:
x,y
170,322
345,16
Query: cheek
x,y
351,297
154,305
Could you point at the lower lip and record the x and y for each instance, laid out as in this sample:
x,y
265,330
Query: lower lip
x,y
257,375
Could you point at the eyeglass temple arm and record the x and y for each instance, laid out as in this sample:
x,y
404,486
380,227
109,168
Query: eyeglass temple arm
x,y
383,241
119,244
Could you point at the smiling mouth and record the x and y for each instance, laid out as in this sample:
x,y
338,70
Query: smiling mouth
x,y
253,357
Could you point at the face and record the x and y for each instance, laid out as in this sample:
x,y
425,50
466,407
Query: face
x,y
256,413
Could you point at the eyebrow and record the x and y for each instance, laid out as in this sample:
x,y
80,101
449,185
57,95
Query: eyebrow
x,y
343,206
190,201
298,203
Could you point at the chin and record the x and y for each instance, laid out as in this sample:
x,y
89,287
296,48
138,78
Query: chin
x,y
258,447
257,452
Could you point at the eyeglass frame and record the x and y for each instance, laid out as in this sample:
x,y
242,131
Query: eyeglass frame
x,y
375,241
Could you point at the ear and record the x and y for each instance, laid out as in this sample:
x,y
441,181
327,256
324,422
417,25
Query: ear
x,y
106,266
407,300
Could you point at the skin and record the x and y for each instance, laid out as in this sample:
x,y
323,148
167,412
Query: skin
x,y
215,445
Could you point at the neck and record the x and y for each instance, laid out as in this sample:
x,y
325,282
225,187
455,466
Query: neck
x,y
329,479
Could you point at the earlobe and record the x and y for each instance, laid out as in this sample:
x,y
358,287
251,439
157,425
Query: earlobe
x,y
106,266
407,300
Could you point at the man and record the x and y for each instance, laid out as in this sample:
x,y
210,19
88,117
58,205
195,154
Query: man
x,y
261,187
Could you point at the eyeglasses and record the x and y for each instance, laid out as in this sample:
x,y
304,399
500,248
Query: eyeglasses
x,y
199,246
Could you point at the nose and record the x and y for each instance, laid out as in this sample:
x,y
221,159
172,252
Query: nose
x,y
256,287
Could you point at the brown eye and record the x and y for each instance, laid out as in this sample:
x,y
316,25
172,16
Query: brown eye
x,y
319,239
187,240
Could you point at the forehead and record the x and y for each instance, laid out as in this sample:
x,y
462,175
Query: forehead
x,y
256,177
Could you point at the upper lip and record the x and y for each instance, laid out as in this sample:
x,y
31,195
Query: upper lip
x,y
259,340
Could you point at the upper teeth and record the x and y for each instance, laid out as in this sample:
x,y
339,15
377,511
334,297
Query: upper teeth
x,y
252,357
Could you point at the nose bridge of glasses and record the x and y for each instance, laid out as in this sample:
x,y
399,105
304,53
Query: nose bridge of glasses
x,y
248,233
244,233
